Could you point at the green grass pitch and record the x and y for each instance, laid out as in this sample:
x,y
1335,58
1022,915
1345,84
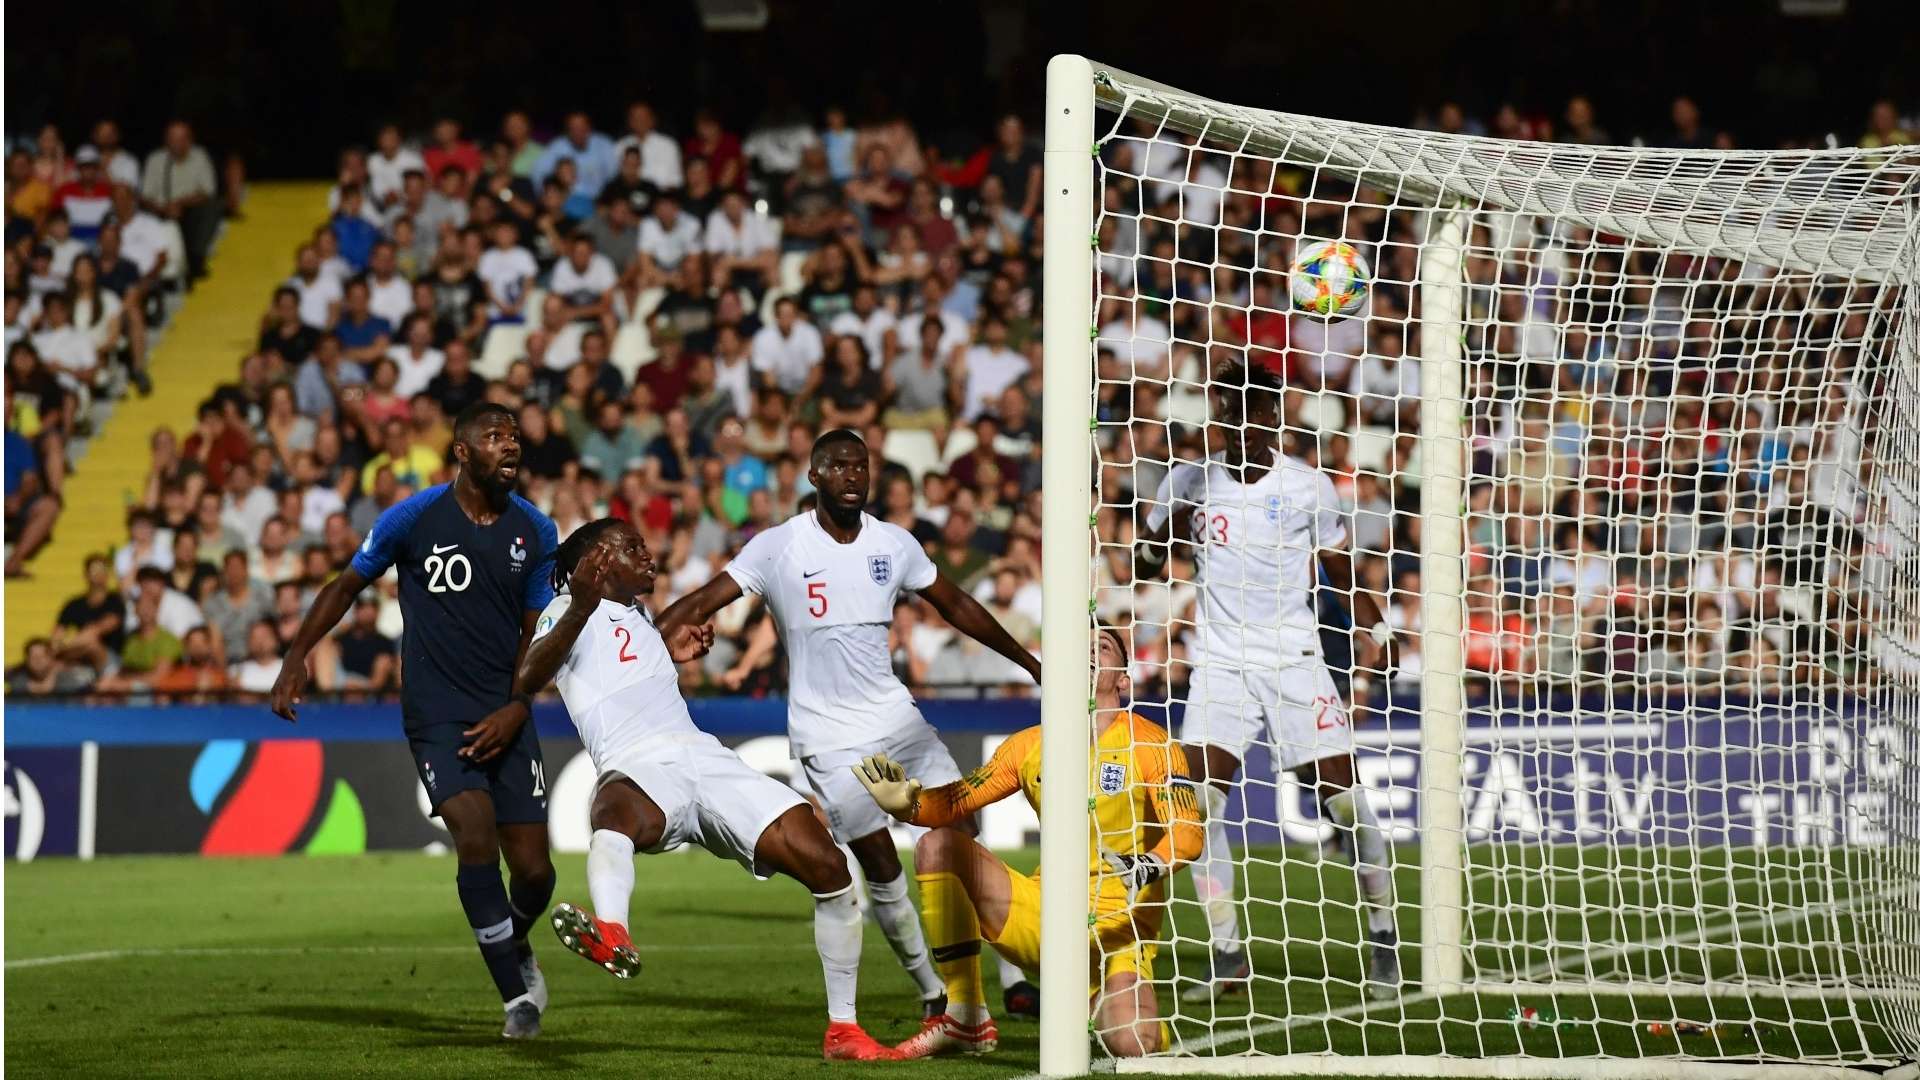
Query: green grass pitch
x,y
363,966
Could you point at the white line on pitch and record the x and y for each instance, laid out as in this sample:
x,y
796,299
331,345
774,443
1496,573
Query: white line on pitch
x,y
299,950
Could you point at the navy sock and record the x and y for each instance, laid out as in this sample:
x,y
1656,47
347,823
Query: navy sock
x,y
529,898
485,901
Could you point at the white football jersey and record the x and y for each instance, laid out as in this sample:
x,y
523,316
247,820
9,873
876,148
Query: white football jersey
x,y
620,686
1256,546
833,604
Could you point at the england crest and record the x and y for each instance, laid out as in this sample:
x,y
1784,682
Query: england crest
x,y
880,568
1273,509
1113,777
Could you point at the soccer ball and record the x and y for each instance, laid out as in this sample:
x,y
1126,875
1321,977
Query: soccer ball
x,y
1328,277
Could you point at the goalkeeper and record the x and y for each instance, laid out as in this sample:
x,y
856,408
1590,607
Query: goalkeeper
x,y
1147,826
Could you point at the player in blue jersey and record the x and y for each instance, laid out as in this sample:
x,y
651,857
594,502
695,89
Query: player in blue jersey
x,y
476,567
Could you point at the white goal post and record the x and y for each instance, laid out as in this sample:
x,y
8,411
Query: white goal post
x,y
1624,444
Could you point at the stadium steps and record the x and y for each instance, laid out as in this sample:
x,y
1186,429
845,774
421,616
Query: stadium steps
x,y
202,348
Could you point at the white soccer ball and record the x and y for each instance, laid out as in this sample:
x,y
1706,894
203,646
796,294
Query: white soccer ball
x,y
1329,278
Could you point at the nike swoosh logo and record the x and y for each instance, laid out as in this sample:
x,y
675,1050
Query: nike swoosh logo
x,y
438,550
815,573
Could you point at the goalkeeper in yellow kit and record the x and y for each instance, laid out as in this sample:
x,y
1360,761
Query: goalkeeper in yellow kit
x,y
1144,828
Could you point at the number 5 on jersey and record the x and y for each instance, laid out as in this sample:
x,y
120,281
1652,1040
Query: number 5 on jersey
x,y
817,599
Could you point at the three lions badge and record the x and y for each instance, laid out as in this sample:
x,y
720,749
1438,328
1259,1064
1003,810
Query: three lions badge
x,y
880,568
1113,777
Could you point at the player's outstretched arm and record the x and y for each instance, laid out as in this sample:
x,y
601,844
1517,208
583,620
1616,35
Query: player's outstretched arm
x,y
698,607
329,607
543,658
975,621
901,795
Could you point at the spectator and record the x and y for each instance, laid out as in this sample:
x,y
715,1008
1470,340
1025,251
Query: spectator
x,y
443,211
666,237
411,465
919,383
29,196
390,294
369,660
591,152
87,198
256,673
119,166
705,402
1016,164
32,509
67,347
742,243
178,184
815,206
147,654
285,331
612,446
878,196
615,231
383,402
787,351
92,626
323,381
584,282
508,270
659,154
456,387
191,576
733,371
988,369
417,361
248,504
274,560
846,390
363,335
666,377
41,674
354,234
450,151
872,323
1687,134
1580,124
147,545
176,610
388,166
198,672
319,293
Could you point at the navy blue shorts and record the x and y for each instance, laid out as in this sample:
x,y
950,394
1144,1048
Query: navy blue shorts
x,y
516,779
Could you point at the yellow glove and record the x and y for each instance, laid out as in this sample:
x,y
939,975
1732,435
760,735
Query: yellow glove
x,y
887,781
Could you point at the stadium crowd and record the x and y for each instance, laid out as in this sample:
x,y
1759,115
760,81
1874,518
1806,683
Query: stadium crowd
x,y
1654,485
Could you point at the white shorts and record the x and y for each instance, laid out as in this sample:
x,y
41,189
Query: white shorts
x,y
709,796
1295,711
851,812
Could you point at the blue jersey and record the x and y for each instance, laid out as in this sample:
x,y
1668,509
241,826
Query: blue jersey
x,y
465,590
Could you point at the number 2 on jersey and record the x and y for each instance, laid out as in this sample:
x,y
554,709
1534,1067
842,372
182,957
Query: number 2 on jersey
x,y
817,598
626,642
1212,529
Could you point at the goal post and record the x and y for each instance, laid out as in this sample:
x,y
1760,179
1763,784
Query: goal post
x,y
1624,446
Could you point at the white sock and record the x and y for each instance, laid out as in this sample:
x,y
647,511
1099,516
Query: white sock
x,y
1372,860
859,878
1010,972
901,924
1213,876
610,875
836,936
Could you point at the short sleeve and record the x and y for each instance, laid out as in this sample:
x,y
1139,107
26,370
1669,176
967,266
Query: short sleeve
x,y
753,567
549,616
1329,524
916,569
389,534
539,585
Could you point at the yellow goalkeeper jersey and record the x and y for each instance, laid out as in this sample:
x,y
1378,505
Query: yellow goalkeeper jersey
x,y
1137,809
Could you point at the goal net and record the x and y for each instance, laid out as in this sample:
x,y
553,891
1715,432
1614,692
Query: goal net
x,y
1622,447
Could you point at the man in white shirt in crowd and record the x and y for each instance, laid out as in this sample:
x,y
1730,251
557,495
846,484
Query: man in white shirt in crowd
x,y
121,166
733,369
415,355
987,369
787,350
872,323
508,271
146,241
179,185
746,253
388,165
667,236
933,298
659,154
320,294
63,345
389,295
584,282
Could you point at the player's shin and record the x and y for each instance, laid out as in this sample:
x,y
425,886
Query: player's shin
x,y
1351,809
1213,876
610,875
528,898
485,900
953,929
837,928
901,924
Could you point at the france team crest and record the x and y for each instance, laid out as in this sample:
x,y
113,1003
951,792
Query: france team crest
x,y
880,568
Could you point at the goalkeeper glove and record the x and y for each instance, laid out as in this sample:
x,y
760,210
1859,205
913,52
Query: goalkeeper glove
x,y
887,781
1137,871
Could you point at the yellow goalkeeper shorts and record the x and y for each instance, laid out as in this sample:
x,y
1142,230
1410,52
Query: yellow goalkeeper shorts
x,y
1117,945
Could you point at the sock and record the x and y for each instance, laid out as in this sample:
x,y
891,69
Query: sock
x,y
836,936
859,878
528,899
1352,810
902,926
1010,972
1213,876
954,932
610,875
491,917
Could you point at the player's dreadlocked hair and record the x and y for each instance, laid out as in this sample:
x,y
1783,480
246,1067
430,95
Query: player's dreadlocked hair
x,y
582,541
1257,382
